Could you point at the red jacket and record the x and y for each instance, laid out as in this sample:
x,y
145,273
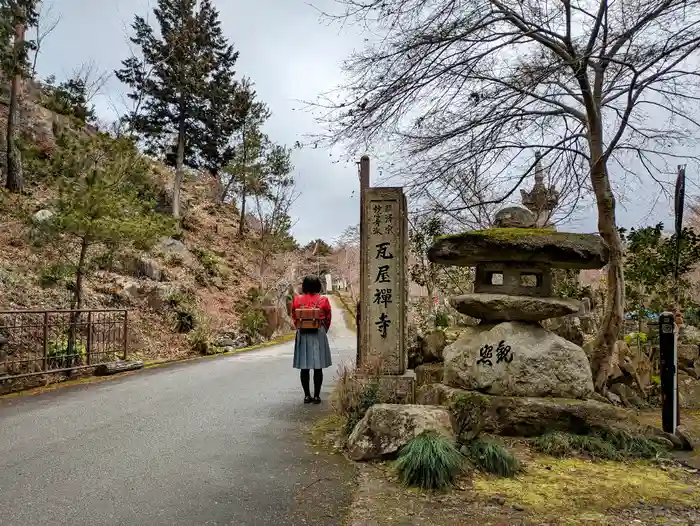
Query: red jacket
x,y
309,300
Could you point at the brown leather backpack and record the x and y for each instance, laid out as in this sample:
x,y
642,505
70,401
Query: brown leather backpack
x,y
309,317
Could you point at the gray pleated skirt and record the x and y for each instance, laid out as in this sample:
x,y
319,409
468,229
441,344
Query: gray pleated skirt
x,y
311,350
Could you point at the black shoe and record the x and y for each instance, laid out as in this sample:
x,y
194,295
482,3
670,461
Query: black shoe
x,y
317,400
307,399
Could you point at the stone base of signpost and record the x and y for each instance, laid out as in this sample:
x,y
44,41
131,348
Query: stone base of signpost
x,y
394,389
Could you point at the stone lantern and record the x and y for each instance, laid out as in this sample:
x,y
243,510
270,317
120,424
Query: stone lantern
x,y
510,353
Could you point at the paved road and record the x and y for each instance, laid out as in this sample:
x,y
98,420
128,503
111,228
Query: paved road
x,y
216,441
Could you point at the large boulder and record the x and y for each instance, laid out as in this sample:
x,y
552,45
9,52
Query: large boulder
x,y
429,373
150,268
688,354
433,346
689,334
688,391
476,413
176,250
386,428
519,359
569,328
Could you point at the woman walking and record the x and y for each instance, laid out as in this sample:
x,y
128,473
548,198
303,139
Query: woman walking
x,y
311,314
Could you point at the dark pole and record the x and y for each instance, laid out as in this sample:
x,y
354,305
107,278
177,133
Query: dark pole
x,y
670,416
364,184
679,203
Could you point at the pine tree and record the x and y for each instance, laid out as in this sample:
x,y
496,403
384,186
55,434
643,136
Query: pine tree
x,y
221,118
15,17
249,150
185,69
103,199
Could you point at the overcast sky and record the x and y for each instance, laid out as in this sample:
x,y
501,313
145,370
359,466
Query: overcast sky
x,y
291,56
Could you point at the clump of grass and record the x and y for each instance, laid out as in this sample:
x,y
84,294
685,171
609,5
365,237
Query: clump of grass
x,y
609,445
492,457
429,461
632,445
558,444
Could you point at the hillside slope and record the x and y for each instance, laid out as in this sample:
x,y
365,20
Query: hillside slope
x,y
182,294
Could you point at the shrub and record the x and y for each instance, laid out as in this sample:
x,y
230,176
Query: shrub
x,y
368,396
442,319
492,457
253,324
185,320
60,356
200,341
56,273
429,461
208,260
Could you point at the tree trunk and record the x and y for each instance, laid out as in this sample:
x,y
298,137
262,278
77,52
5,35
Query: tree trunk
x,y
79,275
180,161
604,344
73,354
244,183
14,182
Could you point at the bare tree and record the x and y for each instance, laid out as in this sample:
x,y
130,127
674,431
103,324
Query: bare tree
x,y
345,260
92,78
593,84
46,23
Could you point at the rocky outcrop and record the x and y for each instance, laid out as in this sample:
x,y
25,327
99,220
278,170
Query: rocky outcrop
x,y
174,249
505,307
476,413
519,359
386,428
429,373
433,346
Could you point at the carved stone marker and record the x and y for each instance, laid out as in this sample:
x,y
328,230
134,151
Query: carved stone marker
x,y
383,327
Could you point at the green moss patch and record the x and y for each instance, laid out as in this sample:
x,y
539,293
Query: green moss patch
x,y
569,491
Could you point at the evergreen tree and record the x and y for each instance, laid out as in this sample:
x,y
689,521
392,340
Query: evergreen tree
x,y
186,68
243,171
221,119
103,199
15,17
70,98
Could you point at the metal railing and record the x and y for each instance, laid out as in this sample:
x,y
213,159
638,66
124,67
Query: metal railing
x,y
34,342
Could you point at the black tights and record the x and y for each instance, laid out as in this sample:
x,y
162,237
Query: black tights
x,y
318,380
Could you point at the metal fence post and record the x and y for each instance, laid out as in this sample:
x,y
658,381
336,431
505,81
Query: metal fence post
x,y
88,345
46,342
126,338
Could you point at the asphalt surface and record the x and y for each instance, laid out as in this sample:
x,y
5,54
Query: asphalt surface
x,y
215,441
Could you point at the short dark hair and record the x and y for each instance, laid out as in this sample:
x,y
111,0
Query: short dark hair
x,y
311,285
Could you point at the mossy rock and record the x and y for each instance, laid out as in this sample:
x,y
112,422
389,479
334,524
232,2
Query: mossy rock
x,y
531,245
477,413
